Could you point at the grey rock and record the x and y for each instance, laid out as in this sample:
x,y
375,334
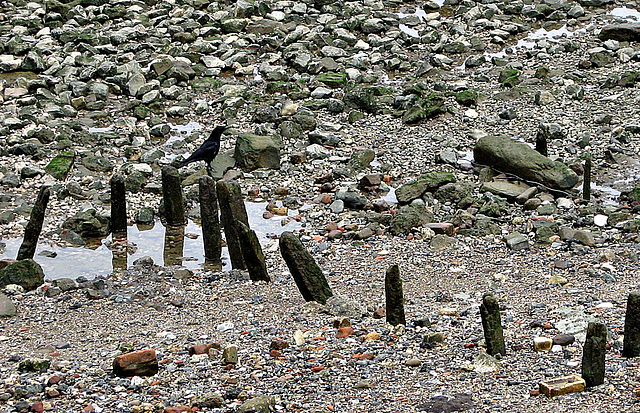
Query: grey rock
x,y
261,404
7,307
255,151
517,242
352,198
344,307
88,224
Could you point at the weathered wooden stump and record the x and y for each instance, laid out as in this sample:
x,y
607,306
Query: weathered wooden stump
x,y
586,180
232,210
593,354
306,273
631,346
34,226
394,296
492,325
172,196
541,144
252,253
118,204
210,222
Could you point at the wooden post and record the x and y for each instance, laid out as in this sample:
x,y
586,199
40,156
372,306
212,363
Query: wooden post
x,y
172,196
252,253
308,276
631,346
34,226
593,354
586,179
232,210
541,144
492,325
118,204
394,296
210,222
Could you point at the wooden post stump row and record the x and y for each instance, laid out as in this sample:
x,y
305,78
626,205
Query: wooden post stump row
x,y
492,325
305,271
172,196
593,354
34,226
232,210
394,296
631,346
210,223
118,204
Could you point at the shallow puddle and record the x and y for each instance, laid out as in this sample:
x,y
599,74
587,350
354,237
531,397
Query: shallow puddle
x,y
182,248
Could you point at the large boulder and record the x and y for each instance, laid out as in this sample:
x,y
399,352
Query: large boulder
x,y
255,151
26,273
623,32
507,155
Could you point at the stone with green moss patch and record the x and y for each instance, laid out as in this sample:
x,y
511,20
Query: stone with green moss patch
x,y
427,182
333,79
60,165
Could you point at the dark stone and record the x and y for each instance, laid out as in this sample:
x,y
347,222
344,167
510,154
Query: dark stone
x,y
632,326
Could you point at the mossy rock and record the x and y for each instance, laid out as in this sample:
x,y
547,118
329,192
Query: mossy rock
x,y
60,165
362,98
414,115
430,181
467,97
26,273
333,79
408,217
509,77
206,83
254,151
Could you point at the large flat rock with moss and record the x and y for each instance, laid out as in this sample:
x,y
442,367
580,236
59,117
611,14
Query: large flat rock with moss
x,y
255,151
506,155
426,182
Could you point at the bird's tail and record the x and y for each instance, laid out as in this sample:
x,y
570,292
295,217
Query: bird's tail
x,y
185,163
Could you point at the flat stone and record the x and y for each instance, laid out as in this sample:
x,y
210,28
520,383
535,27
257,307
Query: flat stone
x,y
504,189
517,241
562,385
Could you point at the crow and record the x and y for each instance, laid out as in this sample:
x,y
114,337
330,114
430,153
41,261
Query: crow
x,y
209,149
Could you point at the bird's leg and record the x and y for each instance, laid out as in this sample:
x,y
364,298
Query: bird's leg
x,y
209,170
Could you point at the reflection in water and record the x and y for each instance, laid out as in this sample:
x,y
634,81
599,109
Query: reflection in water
x,y
173,245
118,252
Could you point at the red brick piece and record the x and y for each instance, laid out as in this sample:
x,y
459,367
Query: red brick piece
x,y
138,363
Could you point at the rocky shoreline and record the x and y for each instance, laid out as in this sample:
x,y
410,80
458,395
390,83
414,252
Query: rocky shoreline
x,y
364,117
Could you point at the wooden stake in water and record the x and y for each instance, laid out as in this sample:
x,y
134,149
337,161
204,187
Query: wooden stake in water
x,y
394,296
172,196
232,210
118,204
593,354
308,276
34,226
492,325
631,346
210,222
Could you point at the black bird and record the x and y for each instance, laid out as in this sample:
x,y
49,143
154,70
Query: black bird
x,y
209,149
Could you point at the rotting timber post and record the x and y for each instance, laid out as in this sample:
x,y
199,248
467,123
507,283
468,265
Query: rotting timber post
x,y
492,325
394,296
34,227
210,222
305,271
172,196
118,205
232,210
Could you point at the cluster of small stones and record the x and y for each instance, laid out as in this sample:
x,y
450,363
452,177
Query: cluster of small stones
x,y
364,99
